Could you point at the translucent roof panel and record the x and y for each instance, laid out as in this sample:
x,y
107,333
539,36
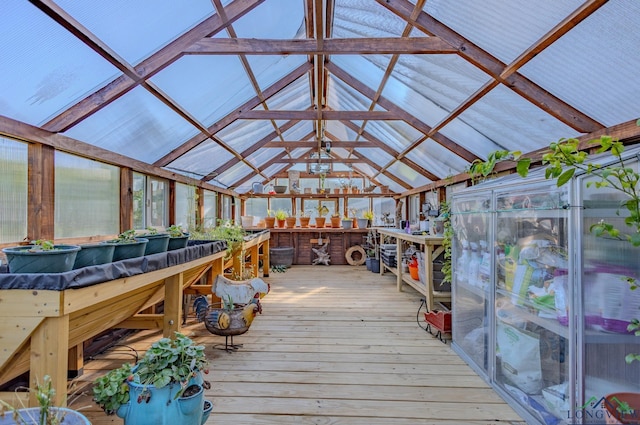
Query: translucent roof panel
x,y
370,74
209,87
31,92
361,18
234,174
269,69
262,156
201,160
342,97
340,131
299,131
267,21
408,174
274,169
505,32
378,156
294,97
590,76
431,86
242,134
143,26
137,125
366,169
504,116
395,187
396,134
437,159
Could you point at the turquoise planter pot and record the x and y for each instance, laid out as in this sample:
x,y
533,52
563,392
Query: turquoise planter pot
x,y
177,242
157,243
58,260
162,407
31,416
94,254
124,251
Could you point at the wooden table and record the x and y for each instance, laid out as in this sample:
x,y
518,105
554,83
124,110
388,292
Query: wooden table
x,y
43,331
432,247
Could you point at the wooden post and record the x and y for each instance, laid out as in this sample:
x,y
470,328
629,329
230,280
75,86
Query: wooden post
x,y
76,361
126,199
172,304
41,192
49,356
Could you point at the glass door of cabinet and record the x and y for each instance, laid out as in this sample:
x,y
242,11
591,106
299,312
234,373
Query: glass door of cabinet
x,y
532,299
472,267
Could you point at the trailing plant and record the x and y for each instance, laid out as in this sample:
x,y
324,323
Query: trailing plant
x,y
167,361
479,170
445,212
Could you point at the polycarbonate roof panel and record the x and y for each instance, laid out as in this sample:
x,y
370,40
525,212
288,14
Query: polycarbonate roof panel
x,y
505,30
408,174
513,122
298,152
342,97
368,72
590,77
235,173
395,187
208,86
262,156
366,169
242,134
136,29
376,155
396,134
137,125
268,69
340,131
203,159
299,131
269,22
294,97
274,169
44,68
438,160
431,86
363,18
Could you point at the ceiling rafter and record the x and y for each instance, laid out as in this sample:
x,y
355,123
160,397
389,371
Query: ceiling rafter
x,y
147,68
327,114
494,67
340,144
343,46
233,116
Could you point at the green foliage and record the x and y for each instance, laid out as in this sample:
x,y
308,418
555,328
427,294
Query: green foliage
x,y
175,231
482,169
151,230
45,394
42,245
166,361
445,212
128,236
281,214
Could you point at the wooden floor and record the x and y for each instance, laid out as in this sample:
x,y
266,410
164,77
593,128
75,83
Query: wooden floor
x,y
335,345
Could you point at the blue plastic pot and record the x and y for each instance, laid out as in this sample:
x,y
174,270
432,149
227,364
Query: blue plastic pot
x,y
94,254
162,407
177,242
58,260
130,249
31,416
157,243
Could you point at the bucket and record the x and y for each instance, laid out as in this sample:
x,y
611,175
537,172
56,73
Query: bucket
x,y
413,271
375,265
281,256
247,221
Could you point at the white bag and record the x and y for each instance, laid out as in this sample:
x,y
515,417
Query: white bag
x,y
520,354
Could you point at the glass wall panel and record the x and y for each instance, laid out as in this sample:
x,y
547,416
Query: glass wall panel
x,y
256,207
87,197
159,194
210,209
356,207
185,206
13,190
139,200
226,207
384,211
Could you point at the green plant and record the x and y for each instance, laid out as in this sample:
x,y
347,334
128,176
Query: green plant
x,y
42,245
281,214
151,231
445,212
175,231
227,231
322,210
166,361
368,215
270,213
479,170
128,236
47,411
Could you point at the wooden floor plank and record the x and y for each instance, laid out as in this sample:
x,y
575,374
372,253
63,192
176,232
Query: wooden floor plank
x,y
335,345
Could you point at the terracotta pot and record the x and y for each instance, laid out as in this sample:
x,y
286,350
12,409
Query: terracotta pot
x,y
612,416
336,191
320,221
345,190
335,222
291,221
304,221
355,223
270,222
281,223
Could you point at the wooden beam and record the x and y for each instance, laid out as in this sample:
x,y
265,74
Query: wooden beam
x,y
342,144
326,115
314,160
40,192
340,46
147,68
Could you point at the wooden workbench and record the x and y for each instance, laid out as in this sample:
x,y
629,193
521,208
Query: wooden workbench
x,y
432,247
43,330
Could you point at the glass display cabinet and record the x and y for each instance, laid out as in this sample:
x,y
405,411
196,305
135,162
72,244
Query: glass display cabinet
x,y
541,304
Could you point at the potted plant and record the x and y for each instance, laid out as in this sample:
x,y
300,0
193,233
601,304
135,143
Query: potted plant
x,y
42,256
127,245
45,414
304,219
165,386
94,254
158,242
336,221
291,221
281,216
270,220
347,223
365,221
320,219
177,237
